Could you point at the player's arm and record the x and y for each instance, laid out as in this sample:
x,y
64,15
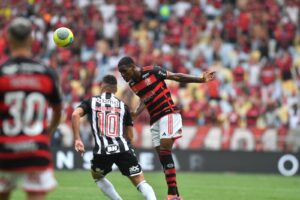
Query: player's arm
x,y
76,115
138,110
186,78
55,119
128,124
129,133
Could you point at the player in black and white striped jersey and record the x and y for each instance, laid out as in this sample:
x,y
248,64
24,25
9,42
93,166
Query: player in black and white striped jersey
x,y
112,130
109,118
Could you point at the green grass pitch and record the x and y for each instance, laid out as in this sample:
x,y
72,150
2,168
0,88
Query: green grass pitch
x,y
78,185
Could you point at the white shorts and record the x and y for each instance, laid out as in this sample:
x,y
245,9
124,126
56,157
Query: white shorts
x,y
43,181
169,126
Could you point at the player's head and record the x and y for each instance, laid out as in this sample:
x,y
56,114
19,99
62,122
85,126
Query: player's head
x,y
126,68
19,33
109,84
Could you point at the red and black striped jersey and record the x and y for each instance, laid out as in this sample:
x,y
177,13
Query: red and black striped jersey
x,y
26,88
153,91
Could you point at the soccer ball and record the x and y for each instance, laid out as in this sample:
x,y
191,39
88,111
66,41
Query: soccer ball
x,y
63,37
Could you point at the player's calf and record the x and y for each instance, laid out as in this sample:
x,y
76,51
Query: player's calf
x,y
142,186
146,190
108,189
104,184
168,164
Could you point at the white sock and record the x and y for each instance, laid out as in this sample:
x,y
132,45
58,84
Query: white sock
x,y
108,189
146,190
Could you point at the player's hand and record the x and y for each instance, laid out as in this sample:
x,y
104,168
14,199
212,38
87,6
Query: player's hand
x,y
79,146
209,75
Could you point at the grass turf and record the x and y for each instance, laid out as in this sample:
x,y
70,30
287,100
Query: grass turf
x,y
78,185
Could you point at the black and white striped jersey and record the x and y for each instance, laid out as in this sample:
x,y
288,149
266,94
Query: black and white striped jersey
x,y
108,117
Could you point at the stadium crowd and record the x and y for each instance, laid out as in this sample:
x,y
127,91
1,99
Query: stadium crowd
x,y
253,44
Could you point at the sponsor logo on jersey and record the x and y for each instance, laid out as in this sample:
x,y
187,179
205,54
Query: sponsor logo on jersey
x,y
21,146
25,81
108,101
145,75
134,169
149,96
24,67
10,69
162,73
112,148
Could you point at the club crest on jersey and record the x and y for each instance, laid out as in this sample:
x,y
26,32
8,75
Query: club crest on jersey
x,y
148,81
112,148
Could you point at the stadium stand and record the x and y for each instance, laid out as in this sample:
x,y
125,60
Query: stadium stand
x,y
254,45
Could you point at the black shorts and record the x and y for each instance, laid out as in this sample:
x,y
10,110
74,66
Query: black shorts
x,y
126,162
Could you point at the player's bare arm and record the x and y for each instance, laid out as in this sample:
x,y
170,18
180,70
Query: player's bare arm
x,y
186,78
129,133
55,118
138,110
76,115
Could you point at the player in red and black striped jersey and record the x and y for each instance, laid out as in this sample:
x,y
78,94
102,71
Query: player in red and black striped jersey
x,y
27,88
154,93
166,123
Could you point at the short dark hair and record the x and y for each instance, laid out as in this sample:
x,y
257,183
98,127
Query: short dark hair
x,y
110,79
125,61
20,28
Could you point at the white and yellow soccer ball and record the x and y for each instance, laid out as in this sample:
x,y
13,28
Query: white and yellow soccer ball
x,y
63,37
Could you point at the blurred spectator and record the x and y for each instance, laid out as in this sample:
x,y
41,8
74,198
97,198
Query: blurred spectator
x,y
294,126
254,45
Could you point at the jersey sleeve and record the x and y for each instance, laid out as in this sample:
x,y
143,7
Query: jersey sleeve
x,y
127,117
55,97
160,72
85,105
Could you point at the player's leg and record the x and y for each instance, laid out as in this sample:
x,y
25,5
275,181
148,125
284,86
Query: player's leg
x,y
108,189
38,184
129,166
101,165
36,196
8,182
166,159
5,195
169,128
140,183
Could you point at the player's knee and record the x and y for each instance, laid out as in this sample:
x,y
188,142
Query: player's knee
x,y
165,148
136,180
166,144
97,174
